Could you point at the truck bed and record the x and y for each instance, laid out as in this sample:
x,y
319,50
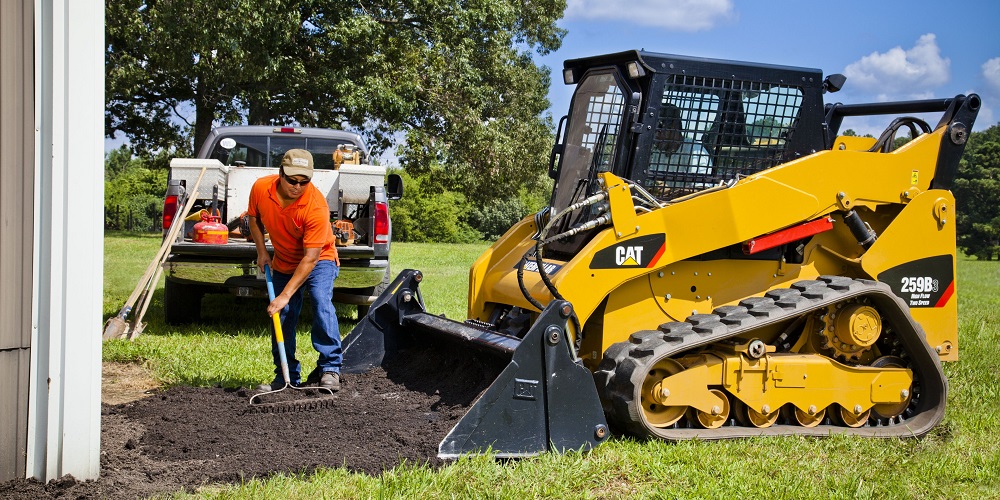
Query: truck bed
x,y
247,250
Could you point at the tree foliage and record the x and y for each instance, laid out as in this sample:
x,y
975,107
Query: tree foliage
x,y
977,189
453,78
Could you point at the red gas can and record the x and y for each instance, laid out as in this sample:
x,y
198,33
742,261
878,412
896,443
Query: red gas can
x,y
210,230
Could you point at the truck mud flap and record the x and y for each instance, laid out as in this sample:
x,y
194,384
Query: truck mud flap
x,y
543,400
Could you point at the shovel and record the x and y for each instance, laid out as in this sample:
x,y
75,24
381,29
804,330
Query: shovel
x,y
295,405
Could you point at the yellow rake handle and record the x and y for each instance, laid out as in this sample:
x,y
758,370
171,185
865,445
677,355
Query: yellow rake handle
x,y
278,337
276,318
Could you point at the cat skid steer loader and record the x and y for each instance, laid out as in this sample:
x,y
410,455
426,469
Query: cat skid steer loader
x,y
716,262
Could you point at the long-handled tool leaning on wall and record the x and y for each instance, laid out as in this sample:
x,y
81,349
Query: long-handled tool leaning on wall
x,y
116,326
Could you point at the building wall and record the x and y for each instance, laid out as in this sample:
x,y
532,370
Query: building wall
x,y
17,167
67,243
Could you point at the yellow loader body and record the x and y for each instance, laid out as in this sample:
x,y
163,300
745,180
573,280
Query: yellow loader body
x,y
716,261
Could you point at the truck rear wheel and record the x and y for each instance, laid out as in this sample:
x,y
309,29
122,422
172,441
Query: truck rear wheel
x,y
376,291
181,302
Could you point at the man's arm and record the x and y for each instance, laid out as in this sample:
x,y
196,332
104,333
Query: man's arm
x,y
302,271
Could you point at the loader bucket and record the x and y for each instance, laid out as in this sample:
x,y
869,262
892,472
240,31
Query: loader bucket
x,y
379,331
544,400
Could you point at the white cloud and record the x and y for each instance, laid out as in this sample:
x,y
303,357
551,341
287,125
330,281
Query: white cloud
x,y
985,119
991,72
681,15
911,72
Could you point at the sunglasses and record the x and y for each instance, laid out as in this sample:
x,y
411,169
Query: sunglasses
x,y
295,182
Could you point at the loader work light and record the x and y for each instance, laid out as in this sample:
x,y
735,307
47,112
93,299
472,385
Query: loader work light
x,y
568,76
635,71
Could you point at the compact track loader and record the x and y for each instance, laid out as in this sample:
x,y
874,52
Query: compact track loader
x,y
716,262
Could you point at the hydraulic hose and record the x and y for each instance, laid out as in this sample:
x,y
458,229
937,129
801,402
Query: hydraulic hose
x,y
539,244
524,289
542,241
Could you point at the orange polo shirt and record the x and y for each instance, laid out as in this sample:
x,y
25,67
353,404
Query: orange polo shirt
x,y
305,223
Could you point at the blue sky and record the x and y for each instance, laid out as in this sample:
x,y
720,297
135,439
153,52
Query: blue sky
x,y
889,50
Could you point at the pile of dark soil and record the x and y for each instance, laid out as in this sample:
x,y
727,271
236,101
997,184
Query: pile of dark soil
x,y
186,437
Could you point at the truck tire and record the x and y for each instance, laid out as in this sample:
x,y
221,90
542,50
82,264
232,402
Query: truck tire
x,y
181,302
376,291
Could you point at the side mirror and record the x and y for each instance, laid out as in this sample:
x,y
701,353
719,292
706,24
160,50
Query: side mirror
x,y
394,187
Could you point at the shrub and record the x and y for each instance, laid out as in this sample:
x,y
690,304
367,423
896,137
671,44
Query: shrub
x,y
496,217
429,213
133,189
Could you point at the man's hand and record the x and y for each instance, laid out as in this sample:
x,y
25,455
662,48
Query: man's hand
x,y
263,259
277,305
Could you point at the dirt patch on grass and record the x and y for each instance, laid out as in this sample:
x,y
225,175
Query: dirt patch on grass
x,y
185,437
126,382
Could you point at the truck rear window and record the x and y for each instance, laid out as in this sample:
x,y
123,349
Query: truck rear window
x,y
264,151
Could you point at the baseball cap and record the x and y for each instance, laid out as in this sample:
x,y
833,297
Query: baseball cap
x,y
297,162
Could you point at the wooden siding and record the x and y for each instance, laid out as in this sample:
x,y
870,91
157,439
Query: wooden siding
x,y
17,167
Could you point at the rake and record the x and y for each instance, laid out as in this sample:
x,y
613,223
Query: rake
x,y
258,406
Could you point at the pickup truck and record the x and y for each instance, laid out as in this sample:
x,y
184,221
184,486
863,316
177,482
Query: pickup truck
x,y
235,157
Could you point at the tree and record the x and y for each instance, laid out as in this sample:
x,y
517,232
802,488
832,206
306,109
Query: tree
x,y
454,77
977,189
167,56
853,133
431,213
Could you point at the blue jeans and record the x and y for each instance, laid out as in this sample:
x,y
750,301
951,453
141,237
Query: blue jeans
x,y
325,330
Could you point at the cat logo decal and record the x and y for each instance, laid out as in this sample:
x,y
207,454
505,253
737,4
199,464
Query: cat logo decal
x,y
641,252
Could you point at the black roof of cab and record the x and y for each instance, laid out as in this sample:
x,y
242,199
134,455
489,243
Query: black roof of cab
x,y
654,62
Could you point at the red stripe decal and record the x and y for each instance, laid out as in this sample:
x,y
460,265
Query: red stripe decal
x,y
656,257
946,295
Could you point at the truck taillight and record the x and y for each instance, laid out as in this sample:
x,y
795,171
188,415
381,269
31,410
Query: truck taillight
x,y
381,222
169,209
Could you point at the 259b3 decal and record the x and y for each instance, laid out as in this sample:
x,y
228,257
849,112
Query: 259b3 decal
x,y
926,282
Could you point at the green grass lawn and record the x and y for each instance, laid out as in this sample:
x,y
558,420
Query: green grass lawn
x,y
958,459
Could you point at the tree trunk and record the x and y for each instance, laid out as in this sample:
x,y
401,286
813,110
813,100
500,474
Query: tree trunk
x,y
204,115
259,112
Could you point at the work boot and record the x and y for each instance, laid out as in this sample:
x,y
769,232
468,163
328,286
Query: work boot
x,y
314,376
275,384
330,380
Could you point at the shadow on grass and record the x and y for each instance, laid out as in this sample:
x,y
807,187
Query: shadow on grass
x,y
228,315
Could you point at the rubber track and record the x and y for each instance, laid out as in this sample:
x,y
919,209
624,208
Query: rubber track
x,y
625,364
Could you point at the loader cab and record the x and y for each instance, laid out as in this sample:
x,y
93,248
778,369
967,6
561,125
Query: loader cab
x,y
678,125
604,111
